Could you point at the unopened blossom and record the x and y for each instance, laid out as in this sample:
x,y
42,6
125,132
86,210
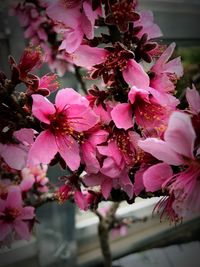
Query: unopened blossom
x,y
44,85
30,60
178,149
64,122
14,217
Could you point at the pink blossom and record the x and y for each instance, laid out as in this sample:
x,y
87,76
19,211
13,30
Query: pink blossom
x,y
73,22
86,56
65,121
69,189
102,62
14,217
177,148
193,99
122,181
148,26
89,149
166,73
15,154
34,176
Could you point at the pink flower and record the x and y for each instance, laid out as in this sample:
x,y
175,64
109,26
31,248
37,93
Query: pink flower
x,y
74,20
65,121
150,113
14,217
122,181
193,99
177,149
148,25
103,63
72,188
89,149
166,73
34,176
15,155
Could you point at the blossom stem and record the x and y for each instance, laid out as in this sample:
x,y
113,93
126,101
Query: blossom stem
x,y
105,225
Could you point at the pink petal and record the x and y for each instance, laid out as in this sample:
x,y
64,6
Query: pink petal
x,y
72,40
14,198
87,27
174,66
69,151
93,179
180,135
81,118
106,187
160,150
155,176
27,183
138,182
126,184
5,229
137,92
42,108
122,116
103,114
158,67
86,56
14,155
164,99
110,168
89,157
135,75
25,135
80,200
98,137
115,153
27,213
193,99
67,97
43,149
69,16
22,229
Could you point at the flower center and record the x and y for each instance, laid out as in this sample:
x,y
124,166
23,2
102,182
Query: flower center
x,y
59,124
10,214
71,3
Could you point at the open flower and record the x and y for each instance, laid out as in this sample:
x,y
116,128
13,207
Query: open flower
x,y
75,19
178,149
166,73
64,122
14,217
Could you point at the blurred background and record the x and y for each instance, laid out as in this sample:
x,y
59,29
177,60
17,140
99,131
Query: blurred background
x,y
68,237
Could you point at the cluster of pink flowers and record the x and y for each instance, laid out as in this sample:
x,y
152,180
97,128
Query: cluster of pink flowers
x,y
125,138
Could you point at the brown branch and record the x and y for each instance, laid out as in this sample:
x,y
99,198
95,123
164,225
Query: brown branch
x,y
105,225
